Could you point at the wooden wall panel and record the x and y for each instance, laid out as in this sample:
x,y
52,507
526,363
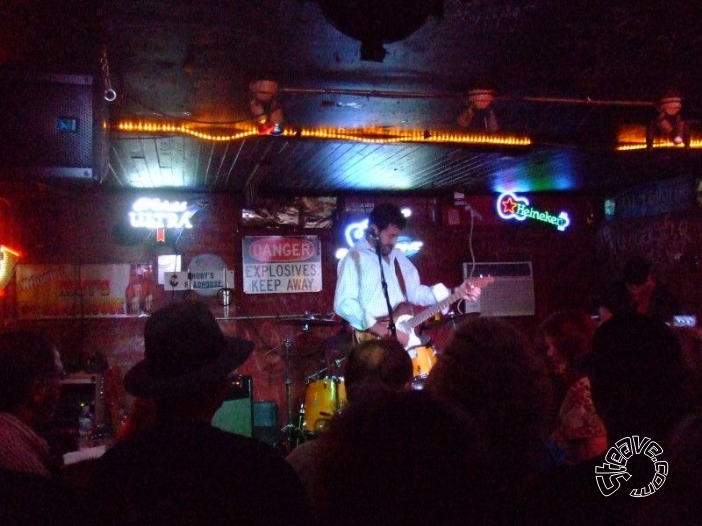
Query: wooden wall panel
x,y
89,228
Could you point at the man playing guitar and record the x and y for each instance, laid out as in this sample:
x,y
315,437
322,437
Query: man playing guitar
x,y
359,297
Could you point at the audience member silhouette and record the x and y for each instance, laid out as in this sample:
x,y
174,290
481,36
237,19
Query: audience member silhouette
x,y
30,387
143,414
579,431
403,457
613,300
490,371
639,385
182,470
638,378
30,372
370,368
639,390
648,295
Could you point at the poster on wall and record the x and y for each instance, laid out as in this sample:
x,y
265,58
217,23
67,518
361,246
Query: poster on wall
x,y
91,291
208,274
281,264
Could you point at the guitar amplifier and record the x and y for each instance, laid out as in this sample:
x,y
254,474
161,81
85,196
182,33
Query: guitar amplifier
x,y
236,413
510,294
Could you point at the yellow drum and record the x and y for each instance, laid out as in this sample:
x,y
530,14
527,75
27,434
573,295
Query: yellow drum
x,y
423,359
323,399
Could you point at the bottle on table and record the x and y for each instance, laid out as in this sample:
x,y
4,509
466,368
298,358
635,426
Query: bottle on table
x,y
86,426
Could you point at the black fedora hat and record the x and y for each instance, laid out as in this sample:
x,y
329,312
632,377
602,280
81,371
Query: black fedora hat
x,y
185,349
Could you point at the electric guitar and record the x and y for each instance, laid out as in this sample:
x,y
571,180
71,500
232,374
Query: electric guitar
x,y
405,321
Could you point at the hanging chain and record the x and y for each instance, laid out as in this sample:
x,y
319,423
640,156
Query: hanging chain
x,y
109,93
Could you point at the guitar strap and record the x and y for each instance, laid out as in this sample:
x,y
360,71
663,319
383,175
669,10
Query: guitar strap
x,y
398,271
361,336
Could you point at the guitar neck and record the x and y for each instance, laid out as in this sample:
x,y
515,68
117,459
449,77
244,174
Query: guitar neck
x,y
430,311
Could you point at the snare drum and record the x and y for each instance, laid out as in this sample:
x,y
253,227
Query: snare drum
x,y
423,359
323,399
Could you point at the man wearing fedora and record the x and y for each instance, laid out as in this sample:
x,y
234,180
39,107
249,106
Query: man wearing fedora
x,y
181,469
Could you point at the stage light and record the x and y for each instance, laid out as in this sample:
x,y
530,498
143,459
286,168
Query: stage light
x,y
8,260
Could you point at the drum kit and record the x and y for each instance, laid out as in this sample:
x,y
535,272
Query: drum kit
x,y
325,392
323,395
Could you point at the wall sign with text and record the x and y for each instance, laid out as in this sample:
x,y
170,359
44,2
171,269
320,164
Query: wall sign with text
x,y
281,264
93,291
512,206
158,215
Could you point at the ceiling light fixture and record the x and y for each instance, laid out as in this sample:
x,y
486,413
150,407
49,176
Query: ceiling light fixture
x,y
480,114
669,122
376,23
265,107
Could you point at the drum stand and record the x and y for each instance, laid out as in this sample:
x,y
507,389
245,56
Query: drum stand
x,y
291,434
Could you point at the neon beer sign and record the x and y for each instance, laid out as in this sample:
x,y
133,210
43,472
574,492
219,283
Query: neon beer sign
x,y
407,245
157,214
511,206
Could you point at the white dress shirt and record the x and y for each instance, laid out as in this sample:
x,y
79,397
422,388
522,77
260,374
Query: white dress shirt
x,y
359,297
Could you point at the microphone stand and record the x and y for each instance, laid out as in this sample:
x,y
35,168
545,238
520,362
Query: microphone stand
x,y
384,284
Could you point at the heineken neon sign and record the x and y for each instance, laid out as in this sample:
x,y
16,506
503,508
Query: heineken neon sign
x,y
511,206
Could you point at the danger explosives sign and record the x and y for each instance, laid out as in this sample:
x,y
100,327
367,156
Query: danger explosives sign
x,y
282,264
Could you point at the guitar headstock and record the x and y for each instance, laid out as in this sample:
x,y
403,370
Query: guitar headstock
x,y
481,282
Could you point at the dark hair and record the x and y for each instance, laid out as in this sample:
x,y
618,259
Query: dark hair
x,y
636,271
571,331
402,457
381,363
615,298
637,376
24,357
487,368
386,214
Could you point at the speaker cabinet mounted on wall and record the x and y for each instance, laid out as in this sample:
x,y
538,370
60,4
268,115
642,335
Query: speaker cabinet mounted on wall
x,y
46,126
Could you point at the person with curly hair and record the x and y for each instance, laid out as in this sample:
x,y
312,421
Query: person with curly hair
x,y
579,430
490,371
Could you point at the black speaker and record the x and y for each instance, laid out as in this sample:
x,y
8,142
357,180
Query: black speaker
x,y
46,125
236,413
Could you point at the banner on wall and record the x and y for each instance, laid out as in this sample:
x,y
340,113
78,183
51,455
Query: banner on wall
x,y
60,291
656,198
281,264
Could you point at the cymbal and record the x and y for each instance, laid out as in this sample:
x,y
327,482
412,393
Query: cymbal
x,y
309,321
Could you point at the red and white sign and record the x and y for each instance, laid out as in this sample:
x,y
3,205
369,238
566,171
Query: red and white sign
x,y
281,264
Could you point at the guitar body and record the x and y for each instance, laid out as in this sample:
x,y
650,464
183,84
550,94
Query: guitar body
x,y
406,320
401,315
423,356
401,325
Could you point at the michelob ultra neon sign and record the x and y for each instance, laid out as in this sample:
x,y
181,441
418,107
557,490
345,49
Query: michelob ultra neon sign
x,y
511,206
157,214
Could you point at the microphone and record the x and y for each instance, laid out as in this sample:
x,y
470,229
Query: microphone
x,y
371,234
